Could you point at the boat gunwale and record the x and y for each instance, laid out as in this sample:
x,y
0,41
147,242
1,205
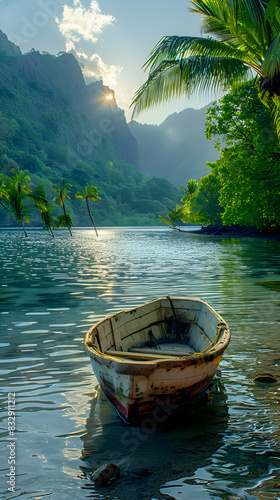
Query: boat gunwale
x,y
190,359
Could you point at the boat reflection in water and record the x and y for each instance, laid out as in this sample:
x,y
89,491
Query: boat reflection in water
x,y
169,446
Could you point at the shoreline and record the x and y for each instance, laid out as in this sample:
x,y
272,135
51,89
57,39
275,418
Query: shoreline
x,y
233,231
236,231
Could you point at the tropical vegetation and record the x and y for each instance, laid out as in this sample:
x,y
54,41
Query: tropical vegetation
x,y
60,197
53,127
89,193
17,197
243,187
128,197
175,216
241,39
191,188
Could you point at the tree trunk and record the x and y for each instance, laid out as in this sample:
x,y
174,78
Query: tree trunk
x,y
24,230
69,228
91,217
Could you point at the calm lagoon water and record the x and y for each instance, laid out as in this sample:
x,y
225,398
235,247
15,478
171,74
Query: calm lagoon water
x,y
223,446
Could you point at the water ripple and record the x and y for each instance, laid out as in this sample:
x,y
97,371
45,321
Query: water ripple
x,y
53,290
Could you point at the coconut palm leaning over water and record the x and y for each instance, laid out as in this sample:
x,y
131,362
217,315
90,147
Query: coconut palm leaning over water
x,y
65,219
17,192
177,214
243,40
89,193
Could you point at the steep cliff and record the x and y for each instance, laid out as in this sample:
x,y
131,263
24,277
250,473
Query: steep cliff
x,y
45,83
58,129
8,48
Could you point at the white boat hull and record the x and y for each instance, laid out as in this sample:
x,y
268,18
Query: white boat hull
x,y
137,387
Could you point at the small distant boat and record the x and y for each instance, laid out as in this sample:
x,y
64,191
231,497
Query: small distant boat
x,y
164,352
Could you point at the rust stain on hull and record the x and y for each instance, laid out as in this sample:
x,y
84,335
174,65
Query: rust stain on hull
x,y
132,410
140,386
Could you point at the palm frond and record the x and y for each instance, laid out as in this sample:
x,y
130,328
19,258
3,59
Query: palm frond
x,y
94,197
179,213
272,17
207,8
166,221
163,84
201,74
60,188
255,9
175,48
65,220
4,193
38,200
192,187
40,191
271,63
20,181
245,39
90,192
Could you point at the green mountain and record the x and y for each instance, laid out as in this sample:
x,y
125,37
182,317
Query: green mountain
x,y
177,149
58,129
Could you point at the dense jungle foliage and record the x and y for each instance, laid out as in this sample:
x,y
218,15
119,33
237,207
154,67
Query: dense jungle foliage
x,y
58,130
127,196
243,186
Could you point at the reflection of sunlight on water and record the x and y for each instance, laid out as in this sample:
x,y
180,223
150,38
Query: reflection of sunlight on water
x,y
53,290
76,410
77,406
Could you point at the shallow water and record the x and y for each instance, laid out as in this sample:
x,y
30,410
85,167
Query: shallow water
x,y
223,446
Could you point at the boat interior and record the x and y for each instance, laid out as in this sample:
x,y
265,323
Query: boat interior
x,y
165,328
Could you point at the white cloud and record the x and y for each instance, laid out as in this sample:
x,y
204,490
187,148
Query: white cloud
x,y
69,46
95,69
80,23
80,55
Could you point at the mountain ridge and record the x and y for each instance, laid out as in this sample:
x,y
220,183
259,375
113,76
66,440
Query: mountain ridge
x,y
177,147
58,129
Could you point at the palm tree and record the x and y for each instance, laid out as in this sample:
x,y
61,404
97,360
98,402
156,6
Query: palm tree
x,y
49,221
45,209
192,187
175,215
63,221
90,193
21,181
18,191
62,194
20,211
244,40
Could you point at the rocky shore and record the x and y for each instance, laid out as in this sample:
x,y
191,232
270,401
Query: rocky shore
x,y
236,231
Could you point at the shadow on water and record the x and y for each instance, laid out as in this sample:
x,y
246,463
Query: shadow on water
x,y
52,291
153,453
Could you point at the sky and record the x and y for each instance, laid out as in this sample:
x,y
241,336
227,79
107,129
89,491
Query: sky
x,y
112,38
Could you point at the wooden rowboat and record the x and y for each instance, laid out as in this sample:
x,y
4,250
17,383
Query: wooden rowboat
x,y
160,354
